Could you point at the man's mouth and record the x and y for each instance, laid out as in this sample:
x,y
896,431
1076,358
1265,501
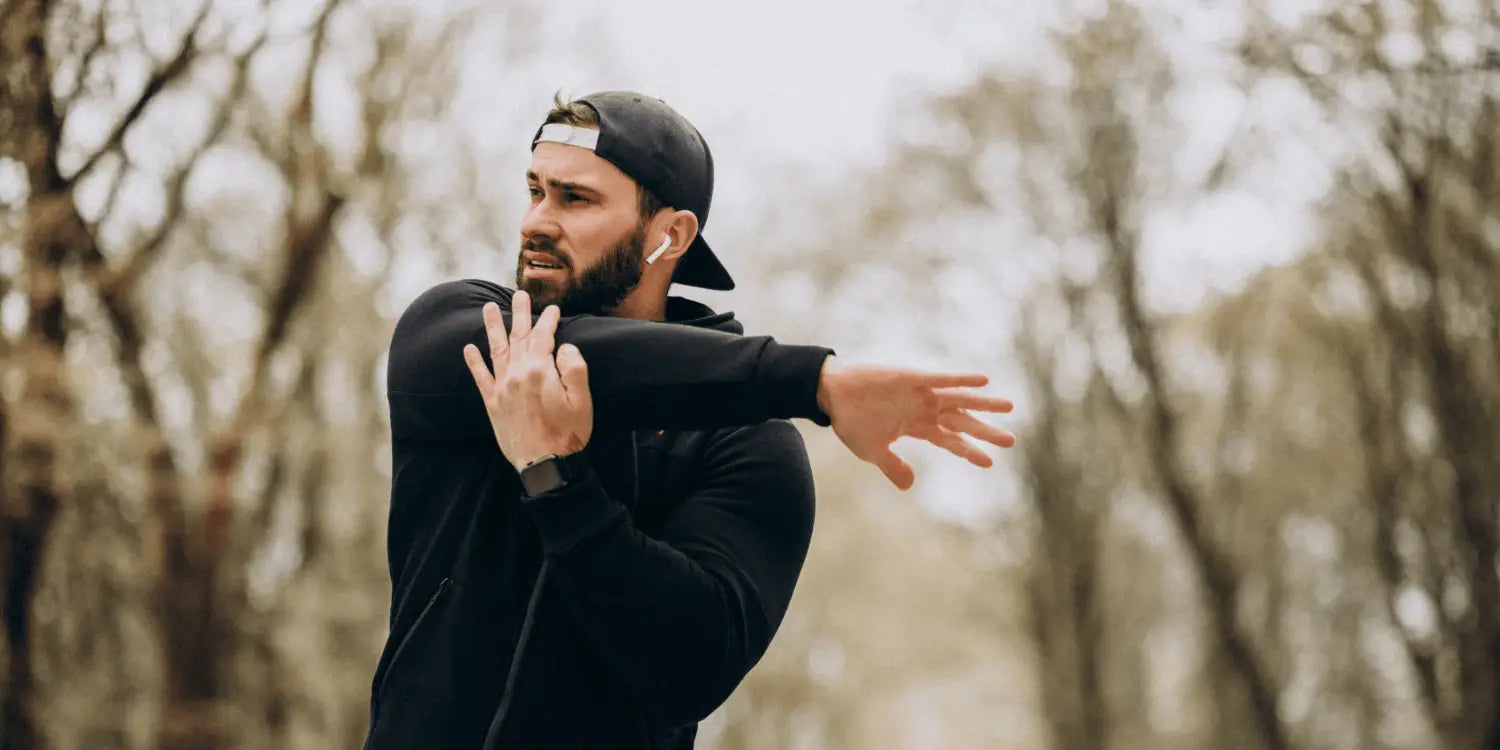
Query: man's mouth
x,y
534,260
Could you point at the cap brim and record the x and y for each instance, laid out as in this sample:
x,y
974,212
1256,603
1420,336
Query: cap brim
x,y
701,268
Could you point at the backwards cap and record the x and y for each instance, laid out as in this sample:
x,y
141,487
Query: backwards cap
x,y
663,153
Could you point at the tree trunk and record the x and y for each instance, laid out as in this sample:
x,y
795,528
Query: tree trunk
x,y
36,450
194,640
1221,583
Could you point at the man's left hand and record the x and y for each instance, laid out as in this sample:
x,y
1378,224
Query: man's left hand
x,y
538,405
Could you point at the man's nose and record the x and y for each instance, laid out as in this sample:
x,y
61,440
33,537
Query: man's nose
x,y
538,222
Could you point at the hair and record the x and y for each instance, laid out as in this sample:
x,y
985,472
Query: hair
x,y
581,115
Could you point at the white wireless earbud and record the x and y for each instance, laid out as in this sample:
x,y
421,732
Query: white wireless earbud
x,y
666,242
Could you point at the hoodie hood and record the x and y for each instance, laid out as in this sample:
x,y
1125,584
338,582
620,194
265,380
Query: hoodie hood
x,y
684,311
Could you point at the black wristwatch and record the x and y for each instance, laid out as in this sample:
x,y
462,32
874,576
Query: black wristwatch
x,y
552,472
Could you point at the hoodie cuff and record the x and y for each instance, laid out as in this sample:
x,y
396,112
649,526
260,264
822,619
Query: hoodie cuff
x,y
572,514
789,376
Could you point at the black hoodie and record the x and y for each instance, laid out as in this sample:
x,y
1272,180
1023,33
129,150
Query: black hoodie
x,y
618,611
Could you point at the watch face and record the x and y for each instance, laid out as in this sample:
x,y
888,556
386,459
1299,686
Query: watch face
x,y
543,477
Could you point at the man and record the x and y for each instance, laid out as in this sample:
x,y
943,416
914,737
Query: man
x,y
591,545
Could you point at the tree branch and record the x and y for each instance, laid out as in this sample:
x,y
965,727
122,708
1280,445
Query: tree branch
x,y
158,81
85,61
307,244
1384,465
126,275
1220,581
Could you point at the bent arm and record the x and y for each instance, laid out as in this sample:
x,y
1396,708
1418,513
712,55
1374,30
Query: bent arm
x,y
681,620
641,374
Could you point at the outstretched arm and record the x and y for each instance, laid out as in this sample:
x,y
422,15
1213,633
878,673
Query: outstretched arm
x,y
642,374
870,407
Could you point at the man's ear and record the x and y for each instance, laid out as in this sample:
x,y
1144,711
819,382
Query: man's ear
x,y
682,228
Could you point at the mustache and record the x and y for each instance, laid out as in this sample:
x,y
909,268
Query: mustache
x,y
545,246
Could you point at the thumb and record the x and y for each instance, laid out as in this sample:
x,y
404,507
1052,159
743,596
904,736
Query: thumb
x,y
572,369
898,471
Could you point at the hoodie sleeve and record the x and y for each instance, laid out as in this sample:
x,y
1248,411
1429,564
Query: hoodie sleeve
x,y
641,374
681,619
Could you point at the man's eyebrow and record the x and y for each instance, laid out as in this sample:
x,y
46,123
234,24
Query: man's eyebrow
x,y
556,184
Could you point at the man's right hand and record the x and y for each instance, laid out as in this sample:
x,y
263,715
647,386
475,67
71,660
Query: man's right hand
x,y
871,407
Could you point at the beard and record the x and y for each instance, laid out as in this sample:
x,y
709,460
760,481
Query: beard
x,y
598,289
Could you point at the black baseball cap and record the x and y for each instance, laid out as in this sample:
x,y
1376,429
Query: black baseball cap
x,y
663,153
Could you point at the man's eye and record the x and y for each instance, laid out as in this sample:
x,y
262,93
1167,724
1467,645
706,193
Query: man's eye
x,y
535,192
573,198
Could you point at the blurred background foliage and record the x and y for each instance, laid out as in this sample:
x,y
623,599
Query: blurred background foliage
x,y
1257,515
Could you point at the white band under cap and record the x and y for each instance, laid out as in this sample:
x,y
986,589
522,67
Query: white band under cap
x,y
558,132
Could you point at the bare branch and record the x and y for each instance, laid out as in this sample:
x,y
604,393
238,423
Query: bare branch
x,y
111,198
1384,465
1108,186
164,76
116,286
1220,581
304,153
1065,613
97,44
127,275
1238,405
305,252
308,242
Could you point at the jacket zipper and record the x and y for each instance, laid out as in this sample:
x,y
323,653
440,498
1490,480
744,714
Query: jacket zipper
x,y
493,735
400,647
498,722
635,504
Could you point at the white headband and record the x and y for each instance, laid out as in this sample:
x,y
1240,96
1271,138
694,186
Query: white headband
x,y
557,132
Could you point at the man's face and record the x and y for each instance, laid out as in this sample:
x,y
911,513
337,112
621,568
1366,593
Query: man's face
x,y
582,238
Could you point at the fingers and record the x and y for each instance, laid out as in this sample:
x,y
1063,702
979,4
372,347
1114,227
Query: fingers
x,y
482,376
896,470
959,446
964,422
494,329
954,400
543,334
573,371
520,317
946,380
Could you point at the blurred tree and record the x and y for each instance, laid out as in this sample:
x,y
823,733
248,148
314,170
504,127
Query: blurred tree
x,y
1067,565
1091,167
1093,162
1413,225
33,473
206,239
1298,560
901,634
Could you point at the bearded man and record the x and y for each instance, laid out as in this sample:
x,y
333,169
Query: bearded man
x,y
599,513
